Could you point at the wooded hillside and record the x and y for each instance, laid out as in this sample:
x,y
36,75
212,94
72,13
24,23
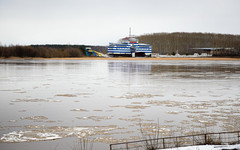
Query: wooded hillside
x,y
162,43
45,51
48,51
168,43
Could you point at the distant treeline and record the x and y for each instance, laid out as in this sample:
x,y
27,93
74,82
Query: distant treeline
x,y
162,43
168,43
46,51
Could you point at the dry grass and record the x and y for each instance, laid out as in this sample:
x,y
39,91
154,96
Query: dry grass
x,y
82,144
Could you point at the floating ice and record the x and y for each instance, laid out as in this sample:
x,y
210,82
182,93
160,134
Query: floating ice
x,y
80,129
67,95
34,118
55,132
28,136
48,136
79,110
96,118
137,95
173,112
30,100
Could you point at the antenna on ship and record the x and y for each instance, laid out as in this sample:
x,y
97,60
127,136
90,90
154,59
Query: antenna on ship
x,y
130,32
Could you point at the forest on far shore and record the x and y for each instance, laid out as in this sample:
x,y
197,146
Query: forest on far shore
x,y
184,43
44,51
162,43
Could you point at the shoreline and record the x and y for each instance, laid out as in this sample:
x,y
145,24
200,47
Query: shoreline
x,y
125,58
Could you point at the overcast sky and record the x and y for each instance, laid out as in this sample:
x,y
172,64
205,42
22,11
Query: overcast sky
x,y
98,22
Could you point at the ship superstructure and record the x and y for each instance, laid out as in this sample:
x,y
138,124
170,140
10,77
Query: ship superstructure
x,y
129,46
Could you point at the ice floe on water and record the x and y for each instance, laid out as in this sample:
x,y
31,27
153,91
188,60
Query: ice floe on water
x,y
173,112
34,118
222,114
67,95
43,133
30,100
132,106
137,95
34,100
79,110
95,118
165,102
74,95
28,136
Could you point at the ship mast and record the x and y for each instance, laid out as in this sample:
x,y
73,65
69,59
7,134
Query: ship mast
x,y
130,32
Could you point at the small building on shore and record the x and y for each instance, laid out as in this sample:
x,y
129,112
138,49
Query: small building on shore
x,y
216,51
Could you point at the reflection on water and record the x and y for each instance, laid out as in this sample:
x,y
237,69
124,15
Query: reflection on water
x,y
108,100
129,66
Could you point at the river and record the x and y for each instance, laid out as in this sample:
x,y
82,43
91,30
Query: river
x,y
50,104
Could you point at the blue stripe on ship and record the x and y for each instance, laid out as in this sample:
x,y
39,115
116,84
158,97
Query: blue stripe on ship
x,y
125,48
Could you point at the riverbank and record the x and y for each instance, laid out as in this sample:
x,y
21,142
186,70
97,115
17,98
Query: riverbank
x,y
127,58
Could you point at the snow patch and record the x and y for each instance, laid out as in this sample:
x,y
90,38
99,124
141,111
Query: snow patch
x,y
208,147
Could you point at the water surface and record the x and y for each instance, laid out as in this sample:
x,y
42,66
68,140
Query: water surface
x,y
107,101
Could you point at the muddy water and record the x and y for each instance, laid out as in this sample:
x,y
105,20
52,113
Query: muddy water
x,y
51,103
